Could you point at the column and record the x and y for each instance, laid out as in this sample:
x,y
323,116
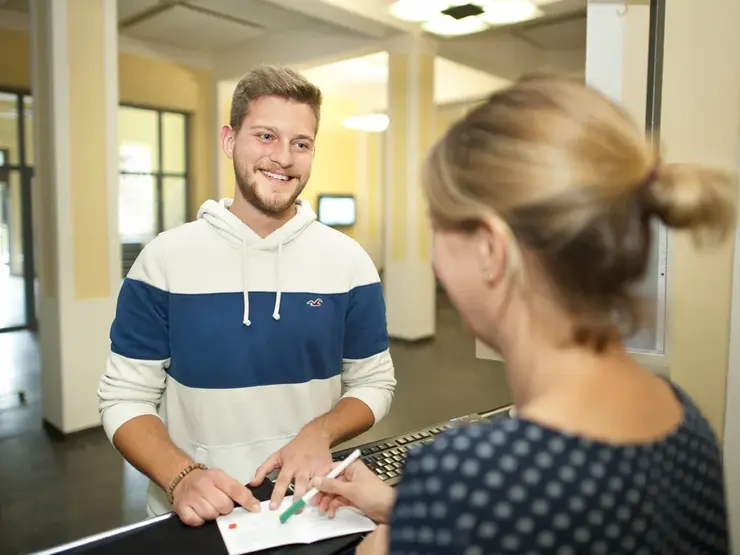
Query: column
x,y
75,195
408,277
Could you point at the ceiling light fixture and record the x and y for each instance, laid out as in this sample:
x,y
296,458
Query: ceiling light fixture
x,y
418,11
448,26
454,18
372,123
503,12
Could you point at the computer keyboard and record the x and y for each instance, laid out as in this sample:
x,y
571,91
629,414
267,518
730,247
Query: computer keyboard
x,y
386,457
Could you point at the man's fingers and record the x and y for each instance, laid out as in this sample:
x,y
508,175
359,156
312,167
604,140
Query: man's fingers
x,y
204,509
220,501
189,517
281,486
301,484
237,492
268,466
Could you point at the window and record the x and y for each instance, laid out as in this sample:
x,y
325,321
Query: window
x,y
153,195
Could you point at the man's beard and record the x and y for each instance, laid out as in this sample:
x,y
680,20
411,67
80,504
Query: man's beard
x,y
248,189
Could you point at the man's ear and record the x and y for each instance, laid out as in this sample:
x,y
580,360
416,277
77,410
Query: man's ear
x,y
227,138
492,243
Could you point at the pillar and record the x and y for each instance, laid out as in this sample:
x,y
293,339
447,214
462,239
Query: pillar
x,y
408,276
75,194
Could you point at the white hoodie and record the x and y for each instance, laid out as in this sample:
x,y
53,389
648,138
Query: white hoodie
x,y
236,342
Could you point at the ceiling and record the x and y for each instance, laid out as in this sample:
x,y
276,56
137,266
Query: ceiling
x,y
365,81
231,35
206,26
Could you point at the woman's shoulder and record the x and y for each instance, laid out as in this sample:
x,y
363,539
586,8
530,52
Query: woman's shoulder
x,y
483,442
478,454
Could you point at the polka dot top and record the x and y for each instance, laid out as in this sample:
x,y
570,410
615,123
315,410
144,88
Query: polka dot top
x,y
514,486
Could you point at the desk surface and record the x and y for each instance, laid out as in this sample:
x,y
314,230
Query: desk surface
x,y
172,536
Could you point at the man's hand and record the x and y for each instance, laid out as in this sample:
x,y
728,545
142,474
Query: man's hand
x,y
205,494
299,461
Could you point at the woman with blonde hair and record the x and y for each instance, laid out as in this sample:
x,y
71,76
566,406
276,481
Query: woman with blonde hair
x,y
542,200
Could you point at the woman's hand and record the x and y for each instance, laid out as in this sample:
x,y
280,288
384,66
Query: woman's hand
x,y
376,543
359,487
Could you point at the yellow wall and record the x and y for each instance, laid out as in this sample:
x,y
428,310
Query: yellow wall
x,y
700,283
375,195
15,62
148,82
87,152
336,158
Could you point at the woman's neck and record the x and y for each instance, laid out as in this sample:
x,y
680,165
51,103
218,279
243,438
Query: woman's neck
x,y
577,389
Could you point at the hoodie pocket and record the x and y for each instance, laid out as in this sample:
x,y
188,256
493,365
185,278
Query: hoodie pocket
x,y
241,460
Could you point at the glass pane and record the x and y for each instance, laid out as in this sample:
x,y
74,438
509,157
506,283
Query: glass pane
x,y
174,198
12,292
28,127
138,142
9,129
137,208
173,142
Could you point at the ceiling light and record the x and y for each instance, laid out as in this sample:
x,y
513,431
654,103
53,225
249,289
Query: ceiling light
x,y
418,10
452,18
448,26
503,12
372,123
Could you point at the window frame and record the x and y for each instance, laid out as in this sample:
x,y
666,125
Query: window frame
x,y
159,175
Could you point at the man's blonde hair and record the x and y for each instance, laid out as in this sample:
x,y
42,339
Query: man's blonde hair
x,y
266,80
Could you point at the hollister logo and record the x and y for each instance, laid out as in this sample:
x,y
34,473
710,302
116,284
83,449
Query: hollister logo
x,y
315,302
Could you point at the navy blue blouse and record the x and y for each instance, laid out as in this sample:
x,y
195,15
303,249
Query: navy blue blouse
x,y
514,486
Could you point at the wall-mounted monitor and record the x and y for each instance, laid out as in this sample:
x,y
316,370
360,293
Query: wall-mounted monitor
x,y
337,210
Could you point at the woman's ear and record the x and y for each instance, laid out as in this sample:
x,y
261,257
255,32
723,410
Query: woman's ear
x,y
492,245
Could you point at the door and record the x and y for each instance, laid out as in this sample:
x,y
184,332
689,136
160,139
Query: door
x,y
17,276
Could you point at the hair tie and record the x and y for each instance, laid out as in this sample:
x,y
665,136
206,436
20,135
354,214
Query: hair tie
x,y
652,175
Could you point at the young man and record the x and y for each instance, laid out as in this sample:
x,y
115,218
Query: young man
x,y
254,338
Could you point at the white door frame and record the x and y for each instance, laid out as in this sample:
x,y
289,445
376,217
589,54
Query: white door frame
x,y
731,435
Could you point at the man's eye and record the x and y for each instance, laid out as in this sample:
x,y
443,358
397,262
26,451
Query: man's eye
x,y
265,136
302,145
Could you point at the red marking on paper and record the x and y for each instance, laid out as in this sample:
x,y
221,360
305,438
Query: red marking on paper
x,y
232,526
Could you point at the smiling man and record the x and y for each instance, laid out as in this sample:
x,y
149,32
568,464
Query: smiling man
x,y
254,338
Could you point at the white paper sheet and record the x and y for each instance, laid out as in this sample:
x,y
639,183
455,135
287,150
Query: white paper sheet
x,y
245,532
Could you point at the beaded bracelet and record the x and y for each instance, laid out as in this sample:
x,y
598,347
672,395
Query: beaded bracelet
x,y
187,470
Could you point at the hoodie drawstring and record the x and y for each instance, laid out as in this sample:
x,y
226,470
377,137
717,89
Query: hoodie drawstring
x,y
246,320
278,289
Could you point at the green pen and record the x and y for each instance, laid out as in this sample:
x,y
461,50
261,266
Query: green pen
x,y
303,501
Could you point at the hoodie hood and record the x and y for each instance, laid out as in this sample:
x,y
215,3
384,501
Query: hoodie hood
x,y
218,215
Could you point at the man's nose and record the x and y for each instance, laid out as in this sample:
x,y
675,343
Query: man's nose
x,y
281,154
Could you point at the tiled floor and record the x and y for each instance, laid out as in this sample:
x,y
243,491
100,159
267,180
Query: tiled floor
x,y
55,490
